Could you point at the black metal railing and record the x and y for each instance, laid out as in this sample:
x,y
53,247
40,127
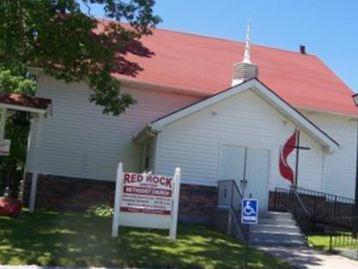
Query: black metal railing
x,y
287,200
344,241
315,207
328,207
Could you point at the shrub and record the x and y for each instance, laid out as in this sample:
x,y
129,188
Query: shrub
x,y
101,210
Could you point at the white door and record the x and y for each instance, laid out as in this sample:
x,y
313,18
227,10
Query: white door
x,y
232,163
239,163
257,168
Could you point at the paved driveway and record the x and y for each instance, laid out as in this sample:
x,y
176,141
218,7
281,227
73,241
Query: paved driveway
x,y
307,258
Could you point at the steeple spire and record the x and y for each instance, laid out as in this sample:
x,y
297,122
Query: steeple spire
x,y
247,54
245,70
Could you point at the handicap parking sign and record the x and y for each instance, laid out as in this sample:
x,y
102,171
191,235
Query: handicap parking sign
x,y
249,211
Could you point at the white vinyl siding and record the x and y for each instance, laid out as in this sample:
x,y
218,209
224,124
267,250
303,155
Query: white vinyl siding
x,y
194,142
79,141
340,166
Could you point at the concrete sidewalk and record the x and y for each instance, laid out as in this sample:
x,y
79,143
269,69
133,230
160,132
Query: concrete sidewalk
x,y
307,258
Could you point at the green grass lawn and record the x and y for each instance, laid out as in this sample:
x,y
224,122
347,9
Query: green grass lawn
x,y
322,242
69,239
319,241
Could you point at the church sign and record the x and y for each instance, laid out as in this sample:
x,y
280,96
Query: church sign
x,y
146,200
149,194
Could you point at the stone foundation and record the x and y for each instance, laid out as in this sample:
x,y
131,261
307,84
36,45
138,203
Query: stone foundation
x,y
197,203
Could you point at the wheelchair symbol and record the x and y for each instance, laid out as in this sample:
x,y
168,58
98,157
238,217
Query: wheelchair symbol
x,y
248,209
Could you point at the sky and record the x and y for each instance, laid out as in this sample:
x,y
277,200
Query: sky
x,y
328,28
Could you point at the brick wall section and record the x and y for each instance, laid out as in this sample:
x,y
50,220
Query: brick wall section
x,y
197,203
70,194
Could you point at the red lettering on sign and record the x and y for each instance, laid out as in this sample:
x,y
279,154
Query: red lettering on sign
x,y
150,194
126,177
168,182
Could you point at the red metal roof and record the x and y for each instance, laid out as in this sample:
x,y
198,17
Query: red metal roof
x,y
204,65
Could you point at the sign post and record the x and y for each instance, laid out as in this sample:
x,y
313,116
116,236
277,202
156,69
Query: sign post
x,y
175,205
249,216
146,201
117,201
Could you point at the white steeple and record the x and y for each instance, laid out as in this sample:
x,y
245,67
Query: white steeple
x,y
247,54
246,69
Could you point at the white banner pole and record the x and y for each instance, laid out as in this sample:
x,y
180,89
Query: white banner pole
x,y
175,203
117,200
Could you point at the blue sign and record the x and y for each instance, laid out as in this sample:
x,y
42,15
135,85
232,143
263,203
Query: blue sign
x,y
249,211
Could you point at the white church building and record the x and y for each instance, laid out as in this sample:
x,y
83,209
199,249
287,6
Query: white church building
x,y
204,108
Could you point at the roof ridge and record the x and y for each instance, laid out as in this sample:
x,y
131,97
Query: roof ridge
x,y
228,40
182,32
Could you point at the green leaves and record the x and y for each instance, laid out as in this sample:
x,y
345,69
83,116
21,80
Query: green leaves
x,y
10,83
70,44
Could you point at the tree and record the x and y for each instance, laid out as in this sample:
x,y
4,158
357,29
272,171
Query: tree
x,y
69,43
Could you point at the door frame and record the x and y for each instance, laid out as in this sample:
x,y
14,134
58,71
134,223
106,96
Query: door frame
x,y
239,145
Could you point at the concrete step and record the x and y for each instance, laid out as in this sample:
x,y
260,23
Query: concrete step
x,y
287,222
276,235
271,242
276,215
275,228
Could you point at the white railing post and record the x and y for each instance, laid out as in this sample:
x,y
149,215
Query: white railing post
x,y
175,203
117,194
35,169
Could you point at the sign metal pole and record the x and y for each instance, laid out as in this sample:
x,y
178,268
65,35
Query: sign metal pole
x,y
247,246
249,216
